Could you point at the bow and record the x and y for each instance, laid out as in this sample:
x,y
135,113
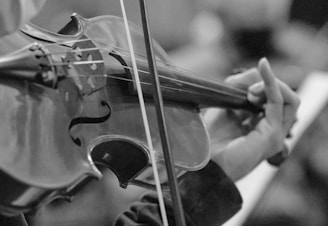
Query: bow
x,y
158,101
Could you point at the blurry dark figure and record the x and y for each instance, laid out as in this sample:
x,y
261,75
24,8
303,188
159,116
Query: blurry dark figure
x,y
258,41
252,44
313,13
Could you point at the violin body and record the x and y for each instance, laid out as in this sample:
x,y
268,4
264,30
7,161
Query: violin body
x,y
71,108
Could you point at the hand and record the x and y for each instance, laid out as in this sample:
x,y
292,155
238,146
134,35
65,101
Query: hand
x,y
243,145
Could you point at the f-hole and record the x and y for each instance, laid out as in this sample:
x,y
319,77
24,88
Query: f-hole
x,y
88,120
126,159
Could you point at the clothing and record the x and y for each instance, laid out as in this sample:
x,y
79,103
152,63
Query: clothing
x,y
209,198
13,221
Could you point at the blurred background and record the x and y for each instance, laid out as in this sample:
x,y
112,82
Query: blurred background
x,y
214,38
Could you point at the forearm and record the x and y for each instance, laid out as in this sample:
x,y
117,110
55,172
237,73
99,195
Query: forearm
x,y
238,162
229,146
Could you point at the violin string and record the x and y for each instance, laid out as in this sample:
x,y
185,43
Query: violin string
x,y
145,119
164,87
171,88
173,68
178,69
87,49
73,41
144,58
193,85
96,48
72,51
140,60
77,63
148,73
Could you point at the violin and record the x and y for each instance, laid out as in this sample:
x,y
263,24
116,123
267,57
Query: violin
x,y
69,107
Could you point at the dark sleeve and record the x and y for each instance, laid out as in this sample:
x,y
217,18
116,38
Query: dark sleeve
x,y
209,197
13,221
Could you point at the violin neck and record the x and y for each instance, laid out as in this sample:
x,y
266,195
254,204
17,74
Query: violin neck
x,y
184,87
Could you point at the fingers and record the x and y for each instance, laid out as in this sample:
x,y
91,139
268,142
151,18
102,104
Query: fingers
x,y
289,96
256,94
291,104
281,101
245,79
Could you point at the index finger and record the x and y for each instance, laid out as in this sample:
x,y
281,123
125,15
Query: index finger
x,y
245,79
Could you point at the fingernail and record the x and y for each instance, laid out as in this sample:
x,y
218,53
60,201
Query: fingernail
x,y
264,63
238,70
250,71
253,99
264,60
256,88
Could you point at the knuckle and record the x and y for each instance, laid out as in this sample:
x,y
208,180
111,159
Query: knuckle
x,y
279,99
297,101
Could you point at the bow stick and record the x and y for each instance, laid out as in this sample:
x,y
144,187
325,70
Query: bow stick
x,y
158,101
